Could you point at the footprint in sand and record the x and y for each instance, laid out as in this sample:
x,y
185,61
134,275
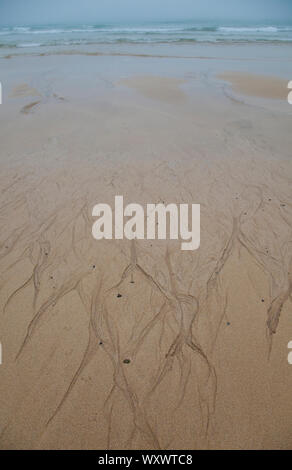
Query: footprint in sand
x,y
27,108
24,91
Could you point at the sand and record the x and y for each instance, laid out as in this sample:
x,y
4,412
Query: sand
x,y
257,85
23,90
138,345
157,88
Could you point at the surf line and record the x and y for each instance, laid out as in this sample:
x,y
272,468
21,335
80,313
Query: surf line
x,y
181,220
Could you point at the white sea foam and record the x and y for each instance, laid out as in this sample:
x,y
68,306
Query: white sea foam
x,y
257,29
29,44
139,33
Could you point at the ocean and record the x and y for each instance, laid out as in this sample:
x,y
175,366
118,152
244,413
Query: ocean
x,y
179,32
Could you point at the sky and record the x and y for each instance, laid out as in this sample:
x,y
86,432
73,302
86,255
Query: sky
x,y
93,11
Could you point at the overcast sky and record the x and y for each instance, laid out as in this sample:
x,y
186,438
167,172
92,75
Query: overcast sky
x,y
94,11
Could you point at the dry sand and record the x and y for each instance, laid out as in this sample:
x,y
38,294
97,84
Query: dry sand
x,y
119,344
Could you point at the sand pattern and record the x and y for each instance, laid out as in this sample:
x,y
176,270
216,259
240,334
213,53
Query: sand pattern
x,y
119,344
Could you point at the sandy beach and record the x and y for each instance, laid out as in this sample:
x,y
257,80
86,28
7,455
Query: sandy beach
x,y
119,344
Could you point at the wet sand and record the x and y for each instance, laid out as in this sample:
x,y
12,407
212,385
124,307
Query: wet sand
x,y
259,86
157,88
125,345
